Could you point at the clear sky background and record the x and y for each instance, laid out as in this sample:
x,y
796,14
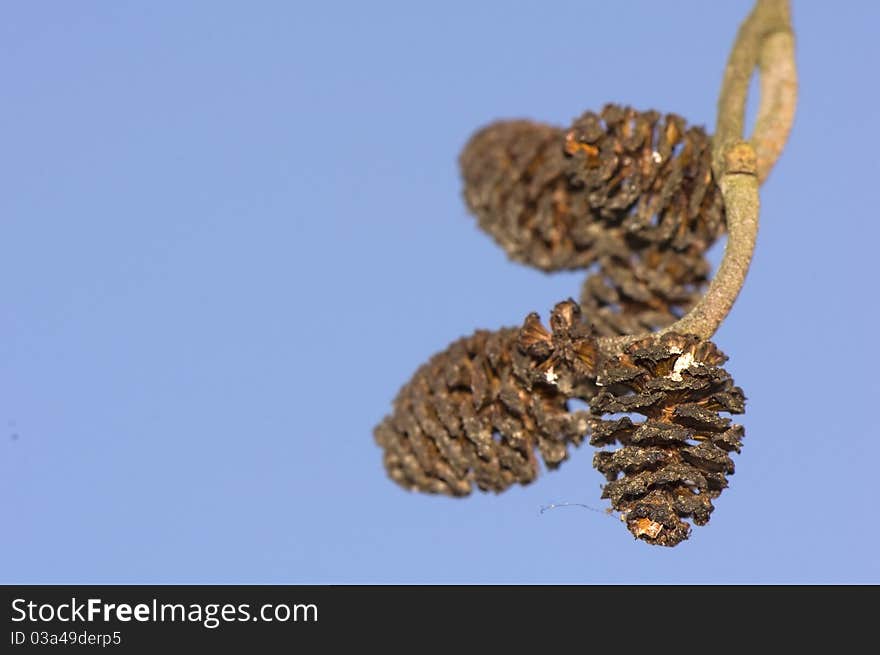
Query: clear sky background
x,y
229,232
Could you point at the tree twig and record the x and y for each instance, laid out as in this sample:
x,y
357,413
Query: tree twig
x,y
779,98
764,39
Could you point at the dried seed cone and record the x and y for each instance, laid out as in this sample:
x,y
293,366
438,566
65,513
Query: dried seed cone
x,y
558,199
515,183
653,177
476,413
670,466
634,294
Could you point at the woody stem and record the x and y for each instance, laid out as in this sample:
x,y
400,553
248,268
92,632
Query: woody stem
x,y
764,40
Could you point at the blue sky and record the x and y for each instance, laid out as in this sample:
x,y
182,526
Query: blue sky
x,y
229,232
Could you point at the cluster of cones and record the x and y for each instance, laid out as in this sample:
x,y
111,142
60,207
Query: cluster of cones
x,y
629,196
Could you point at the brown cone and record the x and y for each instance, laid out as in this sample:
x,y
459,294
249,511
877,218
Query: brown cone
x,y
628,193
635,294
555,198
652,177
671,465
475,413
516,185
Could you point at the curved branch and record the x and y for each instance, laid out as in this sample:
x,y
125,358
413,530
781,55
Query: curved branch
x,y
765,39
778,100
739,187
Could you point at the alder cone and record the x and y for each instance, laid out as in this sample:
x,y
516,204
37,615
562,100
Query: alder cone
x,y
558,199
652,177
476,413
631,294
670,466
516,184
